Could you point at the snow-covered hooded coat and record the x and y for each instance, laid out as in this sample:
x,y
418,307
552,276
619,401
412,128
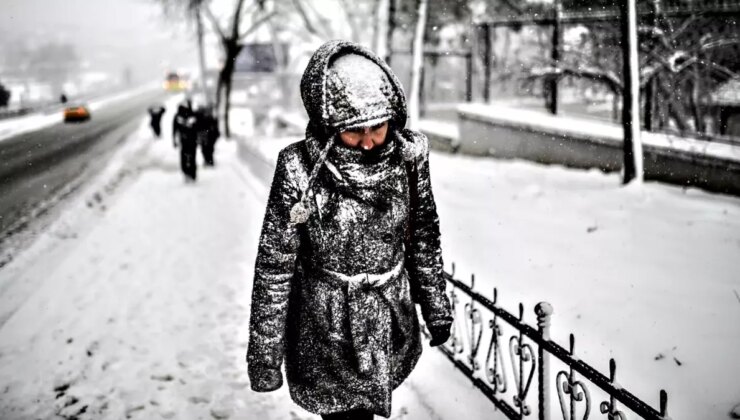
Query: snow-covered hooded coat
x,y
350,242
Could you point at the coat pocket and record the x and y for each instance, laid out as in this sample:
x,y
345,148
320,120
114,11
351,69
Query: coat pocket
x,y
328,309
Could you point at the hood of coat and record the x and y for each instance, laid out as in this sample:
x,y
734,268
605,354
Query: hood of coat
x,y
315,87
321,132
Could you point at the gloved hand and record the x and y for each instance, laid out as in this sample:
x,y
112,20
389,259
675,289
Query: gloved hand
x,y
264,378
440,332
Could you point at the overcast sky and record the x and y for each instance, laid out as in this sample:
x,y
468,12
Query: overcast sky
x,y
109,34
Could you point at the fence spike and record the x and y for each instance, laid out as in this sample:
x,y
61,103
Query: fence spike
x,y
472,281
495,295
612,370
663,404
453,270
521,311
572,344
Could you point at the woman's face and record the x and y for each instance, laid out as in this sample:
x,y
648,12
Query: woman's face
x,y
365,138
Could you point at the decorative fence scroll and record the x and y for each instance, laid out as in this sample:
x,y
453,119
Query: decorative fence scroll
x,y
503,367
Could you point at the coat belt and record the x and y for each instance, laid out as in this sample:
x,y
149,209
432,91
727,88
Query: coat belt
x,y
369,313
364,280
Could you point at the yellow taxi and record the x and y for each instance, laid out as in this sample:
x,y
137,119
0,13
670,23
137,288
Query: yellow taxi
x,y
75,113
175,83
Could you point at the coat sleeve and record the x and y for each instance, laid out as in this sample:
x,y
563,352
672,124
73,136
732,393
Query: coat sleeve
x,y
274,269
424,252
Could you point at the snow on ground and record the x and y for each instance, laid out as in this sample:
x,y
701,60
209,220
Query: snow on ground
x,y
14,126
450,130
648,275
135,303
596,130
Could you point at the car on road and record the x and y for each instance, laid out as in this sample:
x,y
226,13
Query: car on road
x,y
76,113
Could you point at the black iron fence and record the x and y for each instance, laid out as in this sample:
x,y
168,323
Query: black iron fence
x,y
504,370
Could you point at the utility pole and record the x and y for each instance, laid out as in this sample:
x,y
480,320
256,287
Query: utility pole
x,y
632,147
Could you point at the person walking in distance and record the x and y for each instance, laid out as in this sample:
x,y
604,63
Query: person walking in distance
x,y
184,136
208,133
155,119
350,243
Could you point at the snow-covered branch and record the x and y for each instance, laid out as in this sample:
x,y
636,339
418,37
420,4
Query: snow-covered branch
x,y
597,74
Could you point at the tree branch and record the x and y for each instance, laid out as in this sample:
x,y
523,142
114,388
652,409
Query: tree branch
x,y
236,20
256,24
214,22
607,77
306,20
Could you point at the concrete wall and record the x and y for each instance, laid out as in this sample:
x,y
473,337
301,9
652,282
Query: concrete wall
x,y
539,137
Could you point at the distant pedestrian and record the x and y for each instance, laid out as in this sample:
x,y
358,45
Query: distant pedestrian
x,y
208,133
63,98
350,243
155,119
184,136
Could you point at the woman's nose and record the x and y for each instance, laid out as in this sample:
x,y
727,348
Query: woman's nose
x,y
366,142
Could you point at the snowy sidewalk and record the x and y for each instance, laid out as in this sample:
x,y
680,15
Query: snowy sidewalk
x,y
135,304
145,316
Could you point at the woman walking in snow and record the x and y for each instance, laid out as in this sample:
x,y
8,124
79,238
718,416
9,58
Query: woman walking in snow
x,y
350,242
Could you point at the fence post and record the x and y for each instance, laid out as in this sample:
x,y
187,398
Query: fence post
x,y
555,56
487,62
543,311
469,76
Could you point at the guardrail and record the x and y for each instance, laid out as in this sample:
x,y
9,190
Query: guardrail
x,y
480,320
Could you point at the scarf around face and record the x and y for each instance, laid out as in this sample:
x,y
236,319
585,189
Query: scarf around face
x,y
367,176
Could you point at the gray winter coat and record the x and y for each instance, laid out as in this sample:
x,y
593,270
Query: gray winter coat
x,y
334,296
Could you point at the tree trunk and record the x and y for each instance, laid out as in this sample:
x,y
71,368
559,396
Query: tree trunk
x,y
695,101
227,104
201,55
673,108
219,93
391,30
417,62
381,28
232,49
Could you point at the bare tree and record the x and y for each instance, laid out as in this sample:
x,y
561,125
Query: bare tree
x,y
244,20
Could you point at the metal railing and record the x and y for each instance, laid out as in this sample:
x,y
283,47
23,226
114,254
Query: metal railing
x,y
530,351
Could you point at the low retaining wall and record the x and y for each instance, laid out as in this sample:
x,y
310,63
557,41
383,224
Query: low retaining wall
x,y
489,130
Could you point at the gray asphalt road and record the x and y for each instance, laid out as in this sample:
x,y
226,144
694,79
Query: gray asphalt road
x,y
36,168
